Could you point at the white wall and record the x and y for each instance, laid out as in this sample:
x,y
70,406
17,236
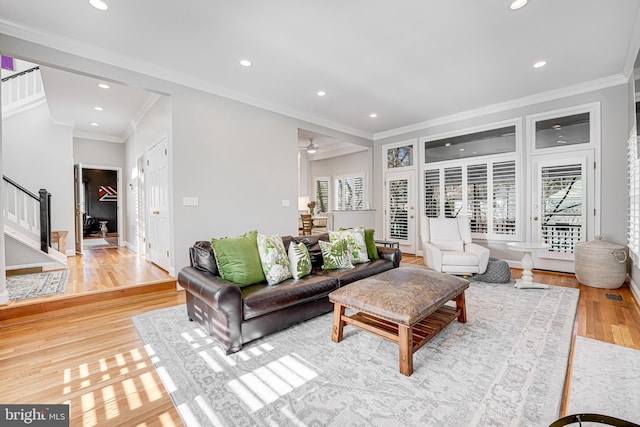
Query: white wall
x,y
342,165
98,153
614,133
39,154
239,160
154,125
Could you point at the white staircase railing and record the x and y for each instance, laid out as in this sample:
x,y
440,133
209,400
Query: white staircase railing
x,y
21,90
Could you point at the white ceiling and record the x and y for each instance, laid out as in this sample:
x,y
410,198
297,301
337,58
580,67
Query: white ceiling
x,y
409,61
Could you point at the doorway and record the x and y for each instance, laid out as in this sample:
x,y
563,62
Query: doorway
x,y
98,207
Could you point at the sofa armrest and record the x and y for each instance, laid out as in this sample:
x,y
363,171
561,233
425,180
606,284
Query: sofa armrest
x,y
432,256
218,293
481,252
392,254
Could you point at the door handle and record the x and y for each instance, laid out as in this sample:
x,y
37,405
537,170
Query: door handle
x,y
156,212
535,218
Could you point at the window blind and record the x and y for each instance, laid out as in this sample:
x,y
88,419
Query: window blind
x,y
633,177
452,191
322,196
432,193
504,198
477,197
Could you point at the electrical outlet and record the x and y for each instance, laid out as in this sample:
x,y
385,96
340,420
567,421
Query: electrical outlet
x,y
190,201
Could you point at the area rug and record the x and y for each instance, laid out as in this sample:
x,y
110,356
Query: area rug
x,y
92,243
37,285
505,366
605,379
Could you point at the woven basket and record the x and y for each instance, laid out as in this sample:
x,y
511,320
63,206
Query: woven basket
x,y
601,264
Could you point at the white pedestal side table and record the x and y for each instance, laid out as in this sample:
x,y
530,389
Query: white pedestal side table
x,y
527,263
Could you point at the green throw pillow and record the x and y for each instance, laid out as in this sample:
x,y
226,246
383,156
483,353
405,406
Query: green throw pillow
x,y
299,259
335,255
238,259
355,243
369,241
274,259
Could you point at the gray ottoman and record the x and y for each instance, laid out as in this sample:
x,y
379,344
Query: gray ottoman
x,y
498,271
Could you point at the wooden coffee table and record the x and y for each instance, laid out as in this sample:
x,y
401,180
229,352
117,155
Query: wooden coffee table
x,y
405,305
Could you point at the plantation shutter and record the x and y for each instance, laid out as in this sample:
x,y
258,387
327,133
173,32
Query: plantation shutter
x,y
561,206
432,193
398,209
350,193
322,196
452,191
633,226
504,198
477,197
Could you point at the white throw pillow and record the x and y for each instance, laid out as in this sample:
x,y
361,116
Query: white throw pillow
x,y
355,243
275,262
299,260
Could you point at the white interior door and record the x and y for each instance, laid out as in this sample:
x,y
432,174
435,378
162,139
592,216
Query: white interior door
x,y
562,206
157,197
400,211
80,209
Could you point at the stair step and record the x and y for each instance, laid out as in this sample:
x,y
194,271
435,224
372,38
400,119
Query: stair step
x,y
22,271
26,311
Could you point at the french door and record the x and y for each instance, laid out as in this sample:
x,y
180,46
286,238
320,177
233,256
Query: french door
x,y
400,210
562,206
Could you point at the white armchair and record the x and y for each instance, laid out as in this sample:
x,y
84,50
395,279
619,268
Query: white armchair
x,y
447,246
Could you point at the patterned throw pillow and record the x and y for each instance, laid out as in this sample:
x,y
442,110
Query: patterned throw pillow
x,y
275,262
299,259
335,255
355,243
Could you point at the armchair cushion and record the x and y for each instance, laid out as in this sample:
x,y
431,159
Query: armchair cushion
x,y
448,245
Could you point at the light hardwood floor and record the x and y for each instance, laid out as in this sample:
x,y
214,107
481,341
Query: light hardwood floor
x,y
96,362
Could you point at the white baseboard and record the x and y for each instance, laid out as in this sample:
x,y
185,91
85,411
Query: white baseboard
x,y
635,290
133,248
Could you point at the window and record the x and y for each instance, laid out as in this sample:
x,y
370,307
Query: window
x,y
400,157
321,194
483,190
561,206
475,144
559,131
350,192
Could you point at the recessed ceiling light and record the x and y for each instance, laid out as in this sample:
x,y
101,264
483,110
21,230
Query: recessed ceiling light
x,y
517,4
539,64
373,115
93,124
462,149
97,108
98,4
103,86
561,142
321,93
448,144
245,63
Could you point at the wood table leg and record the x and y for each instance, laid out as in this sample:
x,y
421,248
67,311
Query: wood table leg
x,y
338,323
462,306
405,342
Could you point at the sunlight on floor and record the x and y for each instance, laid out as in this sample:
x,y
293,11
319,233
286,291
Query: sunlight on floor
x,y
124,374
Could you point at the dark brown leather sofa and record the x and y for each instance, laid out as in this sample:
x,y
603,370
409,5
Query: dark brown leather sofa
x,y
235,316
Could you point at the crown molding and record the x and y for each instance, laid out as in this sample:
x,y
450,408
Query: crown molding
x,y
603,83
98,137
133,124
87,51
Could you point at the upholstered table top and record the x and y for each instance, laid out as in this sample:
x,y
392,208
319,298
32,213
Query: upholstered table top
x,y
403,295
